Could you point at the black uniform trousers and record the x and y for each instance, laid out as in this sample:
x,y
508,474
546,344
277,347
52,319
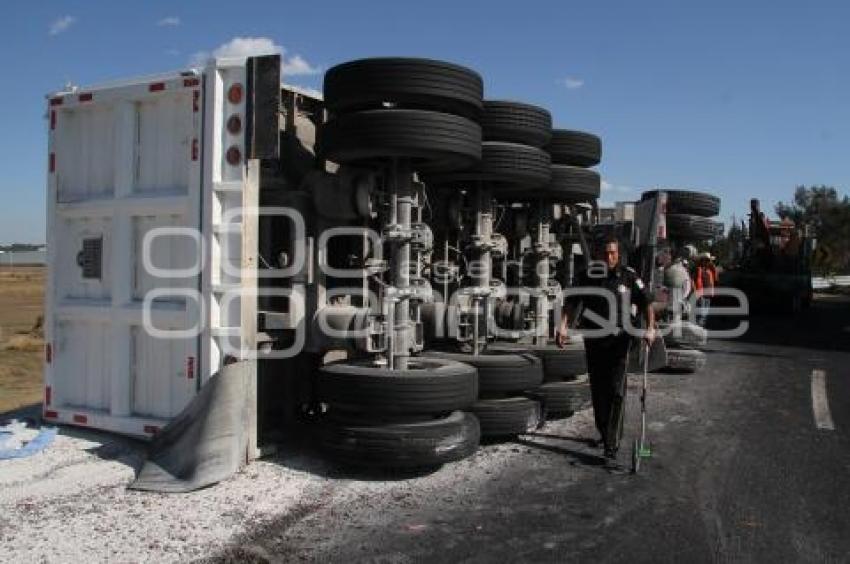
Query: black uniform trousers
x,y
606,366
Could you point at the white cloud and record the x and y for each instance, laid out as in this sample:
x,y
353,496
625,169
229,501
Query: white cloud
x,y
251,46
616,188
571,82
616,192
199,58
246,47
238,47
172,21
61,24
296,65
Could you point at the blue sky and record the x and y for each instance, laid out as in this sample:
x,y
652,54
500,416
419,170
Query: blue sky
x,y
743,99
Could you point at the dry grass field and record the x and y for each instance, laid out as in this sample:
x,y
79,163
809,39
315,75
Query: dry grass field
x,y
21,344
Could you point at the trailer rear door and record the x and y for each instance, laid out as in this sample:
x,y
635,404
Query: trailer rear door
x,y
125,251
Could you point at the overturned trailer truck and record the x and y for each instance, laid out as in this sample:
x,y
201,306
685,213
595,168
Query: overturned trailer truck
x,y
193,226
216,222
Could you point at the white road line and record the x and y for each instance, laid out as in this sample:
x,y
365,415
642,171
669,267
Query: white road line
x,y
820,403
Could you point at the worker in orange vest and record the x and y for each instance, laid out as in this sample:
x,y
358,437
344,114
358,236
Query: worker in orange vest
x,y
705,279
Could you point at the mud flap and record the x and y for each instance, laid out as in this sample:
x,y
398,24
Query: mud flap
x,y
208,441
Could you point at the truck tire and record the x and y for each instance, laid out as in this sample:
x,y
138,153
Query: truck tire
x,y
566,365
690,227
406,83
687,201
507,417
433,141
685,334
572,184
575,148
429,386
504,166
515,122
400,445
558,364
562,399
499,372
685,360
568,184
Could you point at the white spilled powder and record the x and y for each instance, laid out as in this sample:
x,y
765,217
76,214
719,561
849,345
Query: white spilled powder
x,y
70,502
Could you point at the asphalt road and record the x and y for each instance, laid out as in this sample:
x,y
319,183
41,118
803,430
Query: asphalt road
x,y
740,472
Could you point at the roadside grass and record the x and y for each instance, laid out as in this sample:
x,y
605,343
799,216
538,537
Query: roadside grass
x,y
24,343
21,343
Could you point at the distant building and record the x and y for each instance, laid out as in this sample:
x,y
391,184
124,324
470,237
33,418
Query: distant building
x,y
619,212
607,215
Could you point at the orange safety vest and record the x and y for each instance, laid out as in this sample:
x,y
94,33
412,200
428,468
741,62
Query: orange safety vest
x,y
705,279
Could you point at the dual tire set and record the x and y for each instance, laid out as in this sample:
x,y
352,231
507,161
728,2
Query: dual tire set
x,y
439,409
432,115
398,418
565,388
562,175
426,113
503,407
689,220
572,154
689,215
522,386
684,341
523,158
420,110
512,155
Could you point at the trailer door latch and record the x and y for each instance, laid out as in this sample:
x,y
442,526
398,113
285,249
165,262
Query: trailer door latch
x,y
90,258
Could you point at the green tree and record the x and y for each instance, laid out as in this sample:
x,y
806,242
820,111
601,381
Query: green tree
x,y
829,217
725,248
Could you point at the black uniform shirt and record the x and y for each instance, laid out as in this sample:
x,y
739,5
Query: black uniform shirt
x,y
622,281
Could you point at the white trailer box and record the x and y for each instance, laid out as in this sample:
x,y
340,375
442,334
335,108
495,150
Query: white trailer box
x,y
146,257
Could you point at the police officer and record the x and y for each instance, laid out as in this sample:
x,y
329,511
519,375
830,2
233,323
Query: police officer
x,y
606,340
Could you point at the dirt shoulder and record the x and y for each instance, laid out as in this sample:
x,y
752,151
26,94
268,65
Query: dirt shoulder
x,y
21,343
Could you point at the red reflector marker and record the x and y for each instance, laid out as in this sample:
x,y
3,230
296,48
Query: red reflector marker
x,y
50,414
48,353
234,124
52,119
194,149
233,156
86,97
189,82
80,418
190,367
56,101
52,162
156,87
234,94
151,429
196,96
48,395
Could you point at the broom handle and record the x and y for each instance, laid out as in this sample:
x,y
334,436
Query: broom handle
x,y
643,396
